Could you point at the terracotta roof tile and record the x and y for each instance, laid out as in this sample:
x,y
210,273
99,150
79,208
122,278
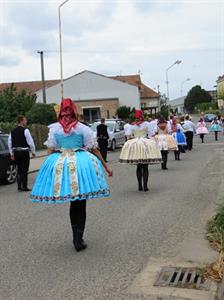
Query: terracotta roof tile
x,y
30,86
145,91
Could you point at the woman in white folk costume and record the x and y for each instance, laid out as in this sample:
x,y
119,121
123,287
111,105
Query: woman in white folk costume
x,y
140,150
74,170
165,141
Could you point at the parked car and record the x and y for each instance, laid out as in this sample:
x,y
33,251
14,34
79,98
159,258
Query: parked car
x,y
8,169
115,130
209,117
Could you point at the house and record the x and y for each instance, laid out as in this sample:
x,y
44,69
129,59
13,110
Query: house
x,y
220,92
177,105
149,99
96,95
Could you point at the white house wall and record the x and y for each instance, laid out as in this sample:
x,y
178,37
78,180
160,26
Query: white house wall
x,y
89,86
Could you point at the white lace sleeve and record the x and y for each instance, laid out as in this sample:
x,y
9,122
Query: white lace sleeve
x,y
51,142
89,138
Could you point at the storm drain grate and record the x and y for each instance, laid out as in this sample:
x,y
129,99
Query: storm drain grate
x,y
181,278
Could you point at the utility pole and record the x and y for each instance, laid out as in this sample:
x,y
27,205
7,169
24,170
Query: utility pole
x,y
42,75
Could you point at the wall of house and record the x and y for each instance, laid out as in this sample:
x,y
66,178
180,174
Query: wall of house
x,y
108,107
220,88
88,85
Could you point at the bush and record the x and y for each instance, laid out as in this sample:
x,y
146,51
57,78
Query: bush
x,y
41,114
6,127
39,133
206,106
124,112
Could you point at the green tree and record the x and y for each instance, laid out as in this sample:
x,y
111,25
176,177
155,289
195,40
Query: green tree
x,y
195,96
41,114
164,107
14,103
124,112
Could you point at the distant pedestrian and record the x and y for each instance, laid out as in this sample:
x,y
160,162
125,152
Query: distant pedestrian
x,y
20,143
165,141
201,129
127,129
179,136
216,127
189,128
102,138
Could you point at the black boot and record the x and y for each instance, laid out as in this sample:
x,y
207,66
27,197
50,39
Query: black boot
x,y
78,239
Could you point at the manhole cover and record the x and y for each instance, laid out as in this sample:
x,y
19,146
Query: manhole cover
x,y
182,278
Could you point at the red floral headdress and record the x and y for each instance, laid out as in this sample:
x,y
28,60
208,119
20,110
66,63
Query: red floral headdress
x,y
139,116
68,117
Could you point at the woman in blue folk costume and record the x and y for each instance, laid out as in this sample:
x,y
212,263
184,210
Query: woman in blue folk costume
x,y
74,170
216,127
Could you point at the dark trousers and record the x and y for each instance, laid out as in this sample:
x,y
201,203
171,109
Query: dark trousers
x,y
189,139
216,135
22,159
164,154
78,214
202,137
103,144
142,173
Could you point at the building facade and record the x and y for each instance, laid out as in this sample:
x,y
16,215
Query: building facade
x,y
96,95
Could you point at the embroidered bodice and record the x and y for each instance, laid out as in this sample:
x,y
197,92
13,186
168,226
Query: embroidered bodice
x,y
73,141
79,137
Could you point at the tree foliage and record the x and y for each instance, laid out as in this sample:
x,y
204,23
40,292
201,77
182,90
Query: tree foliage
x,y
41,114
195,96
124,112
14,103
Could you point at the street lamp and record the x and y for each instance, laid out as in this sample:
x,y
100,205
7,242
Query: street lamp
x,y
60,41
177,62
181,90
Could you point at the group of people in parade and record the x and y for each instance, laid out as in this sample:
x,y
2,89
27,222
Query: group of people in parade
x,y
75,170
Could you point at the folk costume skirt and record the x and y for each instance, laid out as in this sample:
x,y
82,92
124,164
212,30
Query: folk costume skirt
x,y
69,176
140,150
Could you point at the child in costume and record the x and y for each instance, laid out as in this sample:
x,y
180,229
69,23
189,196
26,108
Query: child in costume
x,y
179,136
165,141
216,127
201,129
140,150
74,170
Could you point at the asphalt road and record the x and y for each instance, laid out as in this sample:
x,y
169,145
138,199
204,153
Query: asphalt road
x,y
38,260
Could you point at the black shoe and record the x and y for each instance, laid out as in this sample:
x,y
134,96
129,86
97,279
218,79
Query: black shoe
x,y
25,190
140,188
146,189
78,239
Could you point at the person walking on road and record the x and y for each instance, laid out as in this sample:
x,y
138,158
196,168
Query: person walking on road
x,y
140,150
20,143
165,141
102,138
216,127
201,129
74,170
189,128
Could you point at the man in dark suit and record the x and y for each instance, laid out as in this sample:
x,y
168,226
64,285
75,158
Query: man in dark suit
x,y
102,138
20,142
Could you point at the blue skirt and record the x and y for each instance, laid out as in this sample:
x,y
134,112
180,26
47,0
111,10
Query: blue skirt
x,y
70,176
215,127
180,138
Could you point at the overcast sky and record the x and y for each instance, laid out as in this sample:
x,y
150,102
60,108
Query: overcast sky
x,y
111,37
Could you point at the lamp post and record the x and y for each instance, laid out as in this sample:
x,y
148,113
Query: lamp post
x,y
177,62
181,89
60,42
42,75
